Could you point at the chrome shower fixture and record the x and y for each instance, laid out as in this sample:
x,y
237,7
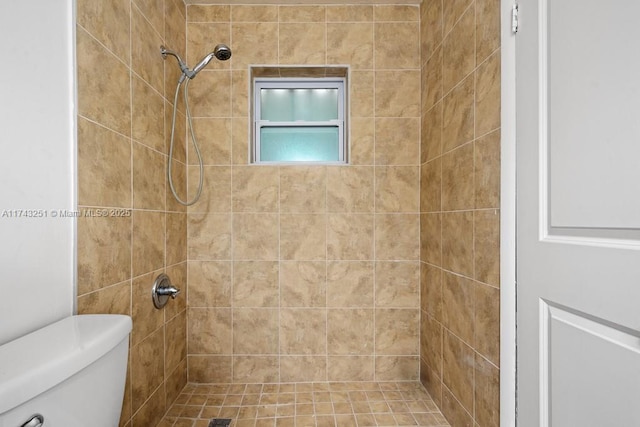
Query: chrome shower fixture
x,y
222,52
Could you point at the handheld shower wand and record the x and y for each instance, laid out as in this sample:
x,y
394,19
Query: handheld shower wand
x,y
220,52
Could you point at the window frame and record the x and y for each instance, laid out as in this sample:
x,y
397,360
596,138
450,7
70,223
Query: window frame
x,y
338,83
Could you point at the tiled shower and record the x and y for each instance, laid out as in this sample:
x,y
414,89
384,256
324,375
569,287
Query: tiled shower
x,y
382,270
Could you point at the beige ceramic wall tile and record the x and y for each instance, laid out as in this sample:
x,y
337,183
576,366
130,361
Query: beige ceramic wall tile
x,y
209,369
431,290
487,171
240,141
458,115
254,43
452,12
153,11
457,179
301,13
397,284
211,82
240,93
209,331
431,128
390,368
487,395
147,115
349,13
254,13
108,21
397,331
202,39
457,372
350,284
104,166
147,369
255,236
397,189
303,189
431,238
432,90
255,284
255,331
487,28
215,195
151,410
176,244
302,43
350,189
431,342
178,275
396,45
395,236
209,284
303,331
145,58
487,321
148,178
430,27
148,240
179,174
457,242
396,13
104,252
357,338
146,318
431,186
350,368
350,43
114,299
453,410
397,93
255,189
179,154
362,141
397,141
303,236
175,352
459,49
302,284
488,95
303,368
362,94
487,246
350,236
209,13
214,140
209,236
458,306
103,85
255,369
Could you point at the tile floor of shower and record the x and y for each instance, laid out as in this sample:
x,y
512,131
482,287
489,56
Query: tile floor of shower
x,y
318,404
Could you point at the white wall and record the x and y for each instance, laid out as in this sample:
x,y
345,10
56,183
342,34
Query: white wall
x,y
37,163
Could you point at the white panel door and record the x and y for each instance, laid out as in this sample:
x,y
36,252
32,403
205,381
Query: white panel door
x,y
578,213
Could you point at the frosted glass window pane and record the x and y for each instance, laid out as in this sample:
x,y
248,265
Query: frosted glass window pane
x,y
295,144
288,105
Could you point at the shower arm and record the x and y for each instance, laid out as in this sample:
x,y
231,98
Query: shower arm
x,y
186,72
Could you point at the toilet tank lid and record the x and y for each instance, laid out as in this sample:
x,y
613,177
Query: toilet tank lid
x,y
36,362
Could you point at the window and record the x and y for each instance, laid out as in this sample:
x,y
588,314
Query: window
x,y
299,120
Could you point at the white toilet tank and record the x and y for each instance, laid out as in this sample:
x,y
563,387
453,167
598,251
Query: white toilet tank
x,y
70,373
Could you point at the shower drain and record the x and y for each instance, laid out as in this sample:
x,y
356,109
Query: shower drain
x,y
220,422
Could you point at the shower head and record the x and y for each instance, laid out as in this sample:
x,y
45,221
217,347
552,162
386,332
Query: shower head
x,y
221,52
